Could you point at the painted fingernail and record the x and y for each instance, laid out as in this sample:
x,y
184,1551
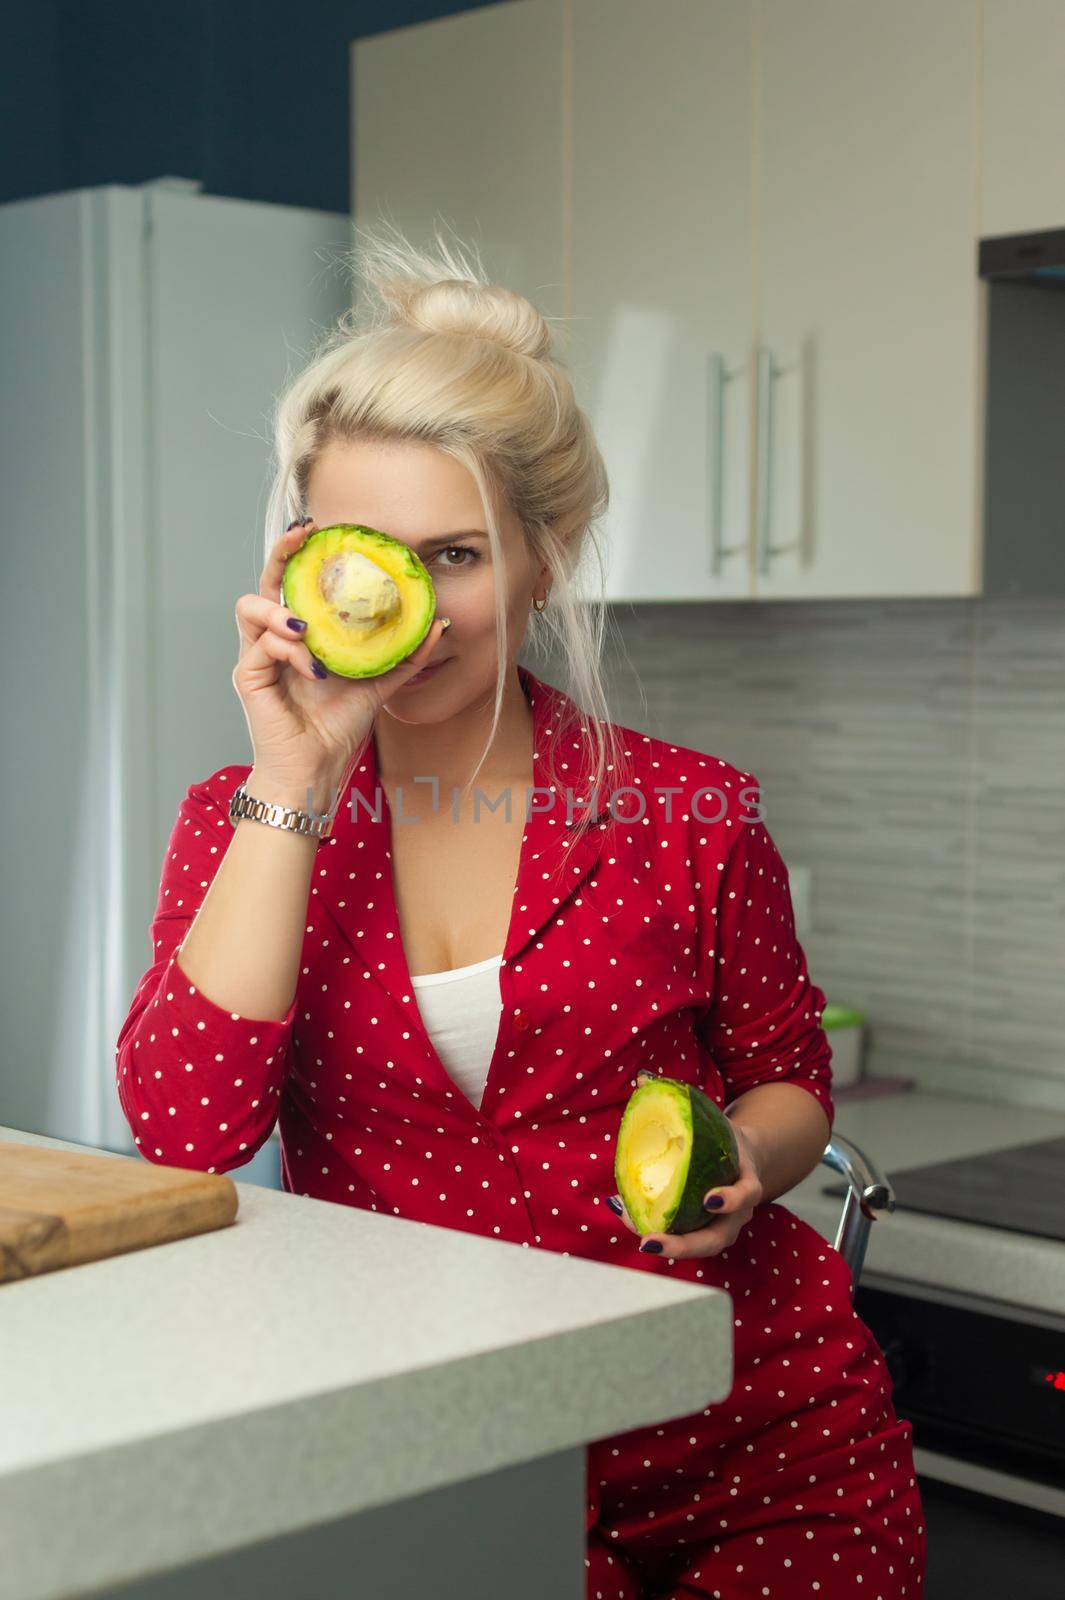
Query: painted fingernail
x,y
713,1201
615,1204
297,624
651,1247
305,520
293,524
319,670
445,624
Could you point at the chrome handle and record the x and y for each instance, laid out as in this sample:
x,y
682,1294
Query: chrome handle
x,y
767,374
868,1192
717,378
769,371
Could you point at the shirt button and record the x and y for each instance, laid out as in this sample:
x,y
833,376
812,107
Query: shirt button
x,y
521,1021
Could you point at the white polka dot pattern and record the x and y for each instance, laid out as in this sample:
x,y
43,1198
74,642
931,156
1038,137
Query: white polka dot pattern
x,y
655,941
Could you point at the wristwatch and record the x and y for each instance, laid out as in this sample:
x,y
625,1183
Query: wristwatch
x,y
275,815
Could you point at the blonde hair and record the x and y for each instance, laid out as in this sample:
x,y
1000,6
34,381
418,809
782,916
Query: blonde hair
x,y
447,358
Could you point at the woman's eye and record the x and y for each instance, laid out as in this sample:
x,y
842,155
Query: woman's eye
x,y
461,549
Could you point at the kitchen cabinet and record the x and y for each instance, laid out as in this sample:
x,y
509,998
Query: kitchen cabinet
x,y
1023,99
460,123
663,286
775,296
868,300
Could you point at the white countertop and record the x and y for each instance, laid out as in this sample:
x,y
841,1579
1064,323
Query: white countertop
x,y
310,1361
914,1129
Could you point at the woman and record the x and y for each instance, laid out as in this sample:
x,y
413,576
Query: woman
x,y
447,1017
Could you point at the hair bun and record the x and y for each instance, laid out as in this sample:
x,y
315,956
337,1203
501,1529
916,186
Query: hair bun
x,y
445,292
485,311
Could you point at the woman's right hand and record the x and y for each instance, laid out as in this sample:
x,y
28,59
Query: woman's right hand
x,y
304,728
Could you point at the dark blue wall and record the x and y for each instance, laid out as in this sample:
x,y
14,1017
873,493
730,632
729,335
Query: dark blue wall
x,y
251,97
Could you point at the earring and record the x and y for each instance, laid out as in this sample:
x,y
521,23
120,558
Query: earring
x,y
541,605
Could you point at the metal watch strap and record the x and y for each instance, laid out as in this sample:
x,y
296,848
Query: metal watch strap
x,y
276,815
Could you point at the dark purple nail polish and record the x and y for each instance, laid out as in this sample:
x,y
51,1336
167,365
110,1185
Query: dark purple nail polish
x,y
615,1204
651,1246
297,624
304,521
293,524
319,670
713,1202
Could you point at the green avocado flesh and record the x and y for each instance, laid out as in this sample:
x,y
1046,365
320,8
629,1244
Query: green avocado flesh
x,y
366,598
673,1145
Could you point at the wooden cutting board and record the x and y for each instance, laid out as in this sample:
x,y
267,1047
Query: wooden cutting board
x,y
59,1208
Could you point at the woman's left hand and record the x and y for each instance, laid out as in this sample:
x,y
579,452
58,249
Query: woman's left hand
x,y
723,1224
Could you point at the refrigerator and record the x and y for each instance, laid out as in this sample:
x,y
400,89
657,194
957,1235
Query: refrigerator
x,y
146,331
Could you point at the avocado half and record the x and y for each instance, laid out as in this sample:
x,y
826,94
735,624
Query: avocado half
x,y
673,1145
367,599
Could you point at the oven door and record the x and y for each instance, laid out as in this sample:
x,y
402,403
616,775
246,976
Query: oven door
x,y
983,1383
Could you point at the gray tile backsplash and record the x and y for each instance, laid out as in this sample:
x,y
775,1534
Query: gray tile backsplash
x,y
912,755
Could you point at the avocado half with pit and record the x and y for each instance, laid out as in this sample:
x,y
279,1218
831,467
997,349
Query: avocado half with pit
x,y
367,599
673,1145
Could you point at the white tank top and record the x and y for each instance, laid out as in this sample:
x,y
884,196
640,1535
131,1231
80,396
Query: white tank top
x,y
461,1009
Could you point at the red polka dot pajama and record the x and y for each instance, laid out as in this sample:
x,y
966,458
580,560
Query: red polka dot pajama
x,y
651,941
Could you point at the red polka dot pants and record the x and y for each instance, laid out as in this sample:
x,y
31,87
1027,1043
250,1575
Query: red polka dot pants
x,y
800,1484
788,1542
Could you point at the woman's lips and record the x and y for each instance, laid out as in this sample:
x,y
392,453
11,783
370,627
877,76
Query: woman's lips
x,y
427,672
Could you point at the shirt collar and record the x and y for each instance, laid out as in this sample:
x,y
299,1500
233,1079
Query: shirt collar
x,y
353,869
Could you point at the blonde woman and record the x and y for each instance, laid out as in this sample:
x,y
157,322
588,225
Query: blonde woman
x,y
447,1018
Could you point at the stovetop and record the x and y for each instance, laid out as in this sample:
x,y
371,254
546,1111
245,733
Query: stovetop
x,y
1020,1189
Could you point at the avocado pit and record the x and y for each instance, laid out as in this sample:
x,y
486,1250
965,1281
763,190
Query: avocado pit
x,y
361,593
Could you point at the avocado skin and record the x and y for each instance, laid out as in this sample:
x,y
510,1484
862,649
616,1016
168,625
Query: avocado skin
x,y
410,570
713,1156
714,1163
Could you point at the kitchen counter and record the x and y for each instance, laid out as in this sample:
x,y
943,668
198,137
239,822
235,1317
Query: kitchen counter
x,y
914,1129
313,1362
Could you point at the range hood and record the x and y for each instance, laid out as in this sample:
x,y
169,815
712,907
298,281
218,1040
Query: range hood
x,y
1024,421
1036,259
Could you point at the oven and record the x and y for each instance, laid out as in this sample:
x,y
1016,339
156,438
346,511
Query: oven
x,y
981,1378
983,1383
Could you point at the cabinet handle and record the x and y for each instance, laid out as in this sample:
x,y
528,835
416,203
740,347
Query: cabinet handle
x,y
767,375
717,378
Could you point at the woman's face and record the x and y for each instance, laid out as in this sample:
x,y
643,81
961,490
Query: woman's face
x,y
418,495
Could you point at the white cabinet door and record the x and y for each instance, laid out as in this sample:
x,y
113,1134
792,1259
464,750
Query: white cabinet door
x,y
1024,116
662,286
869,298
459,122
